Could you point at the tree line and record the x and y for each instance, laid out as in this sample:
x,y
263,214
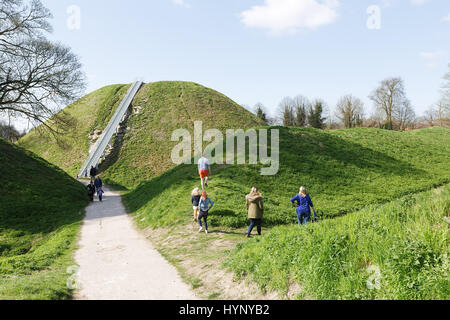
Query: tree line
x,y
393,110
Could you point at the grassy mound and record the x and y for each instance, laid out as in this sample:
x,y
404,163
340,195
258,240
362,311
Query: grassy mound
x,y
40,215
90,113
143,150
396,251
344,171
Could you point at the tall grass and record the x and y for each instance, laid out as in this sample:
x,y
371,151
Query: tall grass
x,y
41,209
344,171
399,250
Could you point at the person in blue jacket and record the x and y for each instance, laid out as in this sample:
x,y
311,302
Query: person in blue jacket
x,y
304,204
98,183
204,205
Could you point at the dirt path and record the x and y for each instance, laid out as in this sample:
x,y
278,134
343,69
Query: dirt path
x,y
117,262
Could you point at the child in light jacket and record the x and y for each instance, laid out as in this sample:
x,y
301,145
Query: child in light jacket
x,y
204,205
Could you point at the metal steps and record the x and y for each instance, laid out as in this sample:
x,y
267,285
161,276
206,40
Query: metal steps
x,y
105,138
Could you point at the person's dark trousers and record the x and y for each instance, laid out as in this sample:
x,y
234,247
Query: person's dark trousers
x,y
253,223
204,215
303,218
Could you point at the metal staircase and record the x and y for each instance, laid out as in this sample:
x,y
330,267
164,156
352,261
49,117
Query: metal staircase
x,y
104,140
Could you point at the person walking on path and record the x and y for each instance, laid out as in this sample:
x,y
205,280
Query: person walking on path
x,y
204,205
91,191
100,194
93,173
196,194
255,209
303,203
98,183
204,170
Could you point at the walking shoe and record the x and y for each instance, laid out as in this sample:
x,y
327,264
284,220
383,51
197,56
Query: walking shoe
x,y
201,229
247,236
206,231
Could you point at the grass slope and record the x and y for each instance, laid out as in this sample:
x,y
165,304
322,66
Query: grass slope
x,y
40,215
344,171
165,107
401,249
90,113
145,151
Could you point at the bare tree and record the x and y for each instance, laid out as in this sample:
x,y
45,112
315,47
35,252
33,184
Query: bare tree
x,y
389,96
442,112
446,89
404,115
350,111
430,116
37,76
9,132
332,122
444,104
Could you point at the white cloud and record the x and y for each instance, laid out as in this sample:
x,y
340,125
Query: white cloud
x,y
290,16
432,58
446,18
181,3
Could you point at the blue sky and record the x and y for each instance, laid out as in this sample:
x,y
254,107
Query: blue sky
x,y
262,50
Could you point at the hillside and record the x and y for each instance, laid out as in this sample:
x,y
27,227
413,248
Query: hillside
x,y
376,183
344,171
398,251
90,113
40,215
142,150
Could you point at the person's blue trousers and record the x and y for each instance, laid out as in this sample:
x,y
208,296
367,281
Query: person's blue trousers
x,y
254,222
303,218
203,215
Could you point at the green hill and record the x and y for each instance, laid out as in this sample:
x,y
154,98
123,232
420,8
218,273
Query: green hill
x,y
40,215
90,113
142,150
375,183
344,171
396,251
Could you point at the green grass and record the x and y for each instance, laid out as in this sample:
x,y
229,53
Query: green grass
x,y
366,184
344,171
91,113
354,176
214,295
407,240
40,216
348,173
145,152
